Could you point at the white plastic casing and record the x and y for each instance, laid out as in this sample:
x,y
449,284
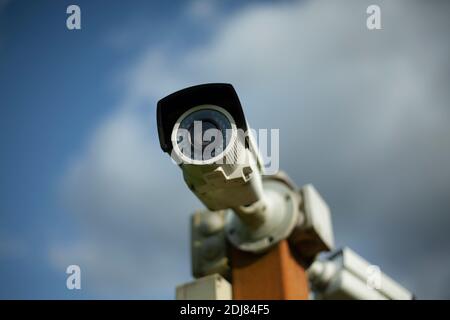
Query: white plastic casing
x,y
228,180
314,232
212,287
348,276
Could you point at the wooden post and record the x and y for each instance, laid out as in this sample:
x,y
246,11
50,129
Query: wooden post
x,y
275,275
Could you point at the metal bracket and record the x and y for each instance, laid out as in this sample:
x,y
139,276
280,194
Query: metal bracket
x,y
208,244
301,216
279,206
314,233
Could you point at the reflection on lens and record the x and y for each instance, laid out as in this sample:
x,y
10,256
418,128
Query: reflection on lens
x,y
203,134
197,136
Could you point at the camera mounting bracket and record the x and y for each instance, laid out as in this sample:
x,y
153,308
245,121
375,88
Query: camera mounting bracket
x,y
278,211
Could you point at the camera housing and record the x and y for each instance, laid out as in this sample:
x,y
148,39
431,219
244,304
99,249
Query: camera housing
x,y
170,108
229,178
347,276
258,212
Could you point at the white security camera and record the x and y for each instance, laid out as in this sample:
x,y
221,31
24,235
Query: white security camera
x,y
204,130
347,276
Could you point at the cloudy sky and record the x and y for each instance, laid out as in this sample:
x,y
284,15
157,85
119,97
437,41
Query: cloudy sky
x,y
363,115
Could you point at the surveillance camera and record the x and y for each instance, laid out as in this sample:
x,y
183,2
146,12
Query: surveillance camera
x,y
204,130
345,275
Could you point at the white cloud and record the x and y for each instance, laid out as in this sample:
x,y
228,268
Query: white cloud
x,y
363,115
122,190
202,9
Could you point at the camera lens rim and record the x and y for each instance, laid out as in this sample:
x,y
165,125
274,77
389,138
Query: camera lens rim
x,y
229,145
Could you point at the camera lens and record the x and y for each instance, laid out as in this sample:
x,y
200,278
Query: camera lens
x,y
203,134
197,136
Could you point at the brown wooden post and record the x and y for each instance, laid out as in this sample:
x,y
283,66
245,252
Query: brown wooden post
x,y
274,275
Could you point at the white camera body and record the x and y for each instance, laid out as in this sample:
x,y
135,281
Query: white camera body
x,y
347,276
204,130
231,178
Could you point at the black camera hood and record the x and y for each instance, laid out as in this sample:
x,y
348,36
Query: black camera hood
x,y
170,108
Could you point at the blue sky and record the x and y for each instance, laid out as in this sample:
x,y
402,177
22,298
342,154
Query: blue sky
x,y
56,87
362,115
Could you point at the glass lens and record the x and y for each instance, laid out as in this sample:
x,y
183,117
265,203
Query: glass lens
x,y
204,134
